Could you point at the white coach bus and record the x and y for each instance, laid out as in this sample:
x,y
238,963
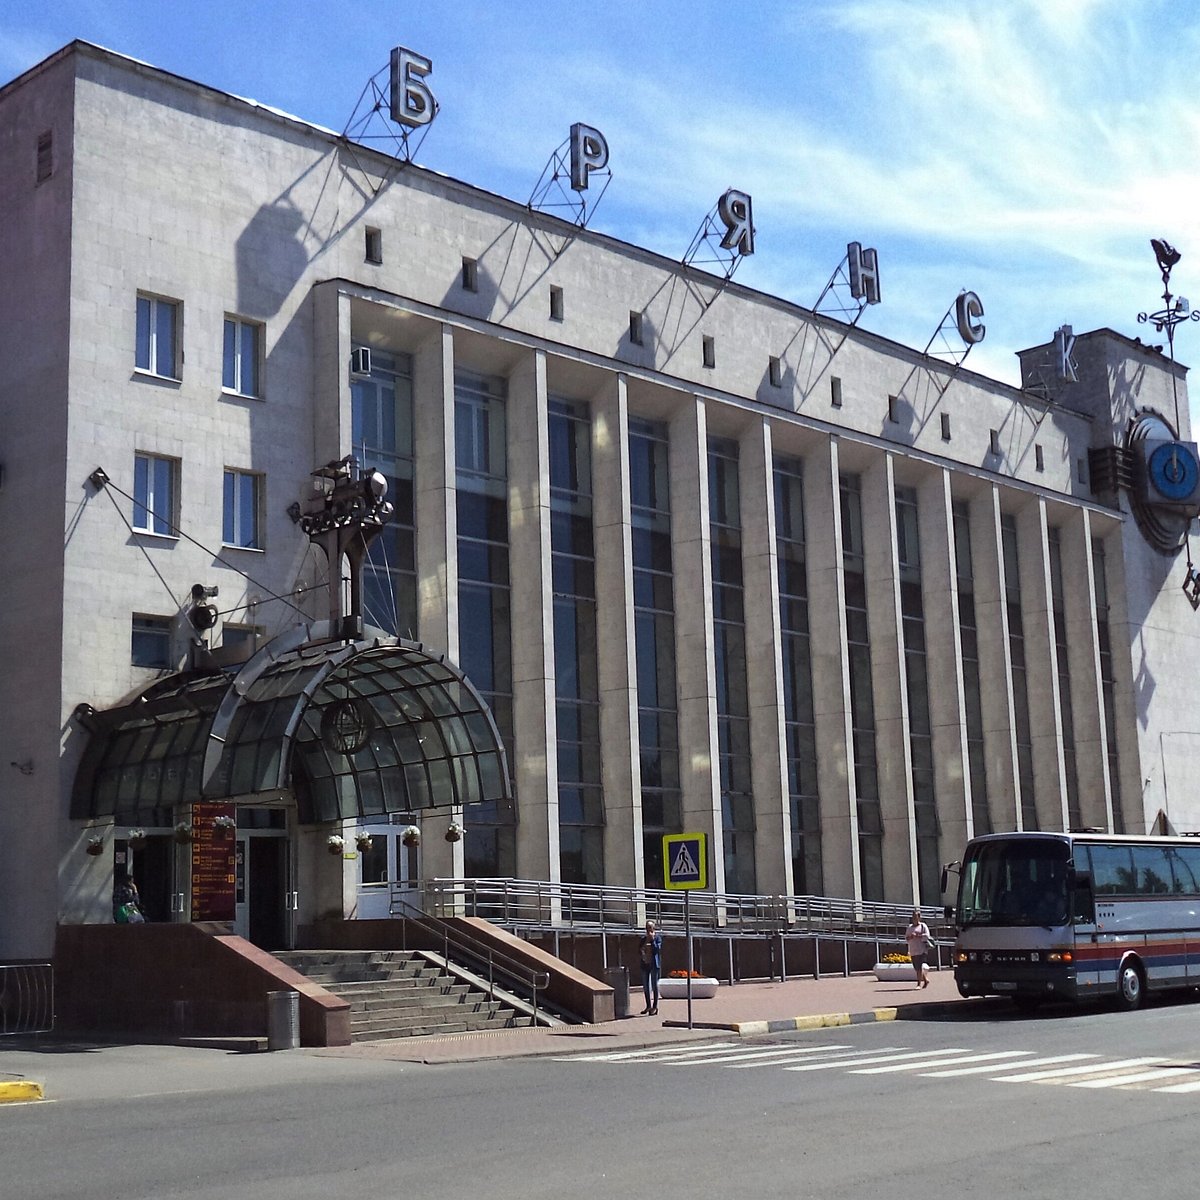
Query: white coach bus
x,y
1074,916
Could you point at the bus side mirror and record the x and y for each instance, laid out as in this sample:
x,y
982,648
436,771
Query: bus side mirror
x,y
945,878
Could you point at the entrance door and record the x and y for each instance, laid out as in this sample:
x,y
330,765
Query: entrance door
x,y
152,866
263,879
387,862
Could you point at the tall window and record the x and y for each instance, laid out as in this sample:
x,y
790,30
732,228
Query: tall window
x,y
241,356
1020,685
968,640
158,336
799,723
242,508
154,506
382,439
576,686
1107,683
484,614
916,675
729,651
654,632
1065,709
862,694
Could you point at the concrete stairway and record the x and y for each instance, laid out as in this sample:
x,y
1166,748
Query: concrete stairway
x,y
397,993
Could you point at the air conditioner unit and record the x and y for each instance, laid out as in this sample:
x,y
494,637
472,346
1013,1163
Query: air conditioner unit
x,y
360,361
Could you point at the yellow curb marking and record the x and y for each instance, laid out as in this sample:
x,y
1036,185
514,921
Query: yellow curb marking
x,y
25,1090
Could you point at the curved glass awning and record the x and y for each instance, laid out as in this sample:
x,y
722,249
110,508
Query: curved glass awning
x,y
352,730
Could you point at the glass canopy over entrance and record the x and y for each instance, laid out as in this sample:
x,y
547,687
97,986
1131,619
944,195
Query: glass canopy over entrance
x,y
352,730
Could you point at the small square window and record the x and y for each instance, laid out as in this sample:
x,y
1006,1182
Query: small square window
x,y
243,352
556,303
636,336
945,427
775,371
150,642
158,336
994,442
709,345
835,391
242,510
154,494
1039,459
45,156
470,275
374,245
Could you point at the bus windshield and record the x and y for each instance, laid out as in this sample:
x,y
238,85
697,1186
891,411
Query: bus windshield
x,y
1018,881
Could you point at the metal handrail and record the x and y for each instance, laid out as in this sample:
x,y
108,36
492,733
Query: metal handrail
x,y
26,997
538,903
473,950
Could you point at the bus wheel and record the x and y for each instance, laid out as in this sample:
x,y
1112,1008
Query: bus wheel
x,y
1129,986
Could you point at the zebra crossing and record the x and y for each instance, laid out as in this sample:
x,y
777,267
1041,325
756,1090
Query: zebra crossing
x,y
1079,1070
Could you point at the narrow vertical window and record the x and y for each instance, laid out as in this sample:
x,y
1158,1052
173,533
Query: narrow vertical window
x,y
154,500
470,275
157,347
1108,683
835,391
381,424
1039,459
241,357
799,721
1019,676
968,639
484,595
374,245
862,694
556,304
916,679
1063,662
775,371
893,410
945,427
729,653
709,347
241,510
576,666
636,336
45,156
994,441
654,630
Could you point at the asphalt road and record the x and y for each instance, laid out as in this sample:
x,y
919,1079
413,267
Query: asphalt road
x,y
896,1109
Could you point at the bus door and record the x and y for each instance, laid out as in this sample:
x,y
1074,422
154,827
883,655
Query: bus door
x,y
1087,930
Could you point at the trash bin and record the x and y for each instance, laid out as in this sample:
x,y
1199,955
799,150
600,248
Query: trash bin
x,y
283,1020
617,978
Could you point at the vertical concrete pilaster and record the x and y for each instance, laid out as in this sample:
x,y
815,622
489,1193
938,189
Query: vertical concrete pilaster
x,y
534,723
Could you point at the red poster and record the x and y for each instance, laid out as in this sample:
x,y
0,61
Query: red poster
x,y
214,849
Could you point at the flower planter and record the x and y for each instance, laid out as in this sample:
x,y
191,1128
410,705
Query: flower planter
x,y
895,972
704,988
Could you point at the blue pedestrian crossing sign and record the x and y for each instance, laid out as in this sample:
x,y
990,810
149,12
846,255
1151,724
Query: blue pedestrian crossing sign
x,y
685,861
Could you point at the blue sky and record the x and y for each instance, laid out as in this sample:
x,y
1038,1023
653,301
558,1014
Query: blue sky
x,y
1025,150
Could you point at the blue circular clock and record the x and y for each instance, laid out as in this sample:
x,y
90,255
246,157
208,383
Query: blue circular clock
x,y
1174,471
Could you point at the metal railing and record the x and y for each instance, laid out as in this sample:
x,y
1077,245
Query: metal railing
x,y
529,903
26,998
470,951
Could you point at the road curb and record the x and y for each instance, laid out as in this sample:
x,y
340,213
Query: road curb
x,y
20,1091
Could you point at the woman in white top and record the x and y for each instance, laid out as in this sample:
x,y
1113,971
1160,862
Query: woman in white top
x,y
919,940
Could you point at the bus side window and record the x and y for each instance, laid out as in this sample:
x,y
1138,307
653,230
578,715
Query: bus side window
x,y
1185,865
1152,869
1112,870
1083,902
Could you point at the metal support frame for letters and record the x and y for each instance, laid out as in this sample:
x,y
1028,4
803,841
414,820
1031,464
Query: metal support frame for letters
x,y
963,316
853,286
584,154
725,236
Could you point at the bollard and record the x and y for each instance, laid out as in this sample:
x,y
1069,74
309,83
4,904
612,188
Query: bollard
x,y
617,978
283,1020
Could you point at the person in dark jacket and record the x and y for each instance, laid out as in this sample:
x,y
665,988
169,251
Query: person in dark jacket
x,y
127,904
650,956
